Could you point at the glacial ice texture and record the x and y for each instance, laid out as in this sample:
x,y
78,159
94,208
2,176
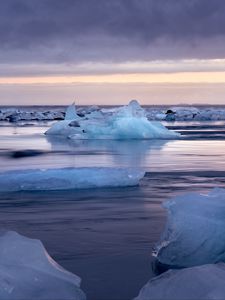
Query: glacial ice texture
x,y
200,282
128,122
71,113
195,230
68,178
27,272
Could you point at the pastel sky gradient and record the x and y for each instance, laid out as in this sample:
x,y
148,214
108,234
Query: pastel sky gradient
x,y
110,51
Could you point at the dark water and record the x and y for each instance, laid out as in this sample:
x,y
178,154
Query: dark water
x,y
106,235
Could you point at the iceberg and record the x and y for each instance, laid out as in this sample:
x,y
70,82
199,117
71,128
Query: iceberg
x,y
68,178
200,282
61,128
128,122
71,113
195,230
28,272
65,127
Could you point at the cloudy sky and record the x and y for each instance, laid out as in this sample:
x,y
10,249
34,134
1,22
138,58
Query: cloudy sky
x,y
110,51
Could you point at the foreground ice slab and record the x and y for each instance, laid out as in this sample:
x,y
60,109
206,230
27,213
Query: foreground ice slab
x,y
128,122
202,282
27,272
68,178
195,230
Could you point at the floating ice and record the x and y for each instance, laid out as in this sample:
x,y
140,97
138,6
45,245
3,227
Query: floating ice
x,y
62,128
133,109
184,113
195,230
128,122
202,282
27,272
68,178
15,115
71,113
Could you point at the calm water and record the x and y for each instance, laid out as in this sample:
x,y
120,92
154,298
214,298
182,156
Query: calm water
x,y
106,235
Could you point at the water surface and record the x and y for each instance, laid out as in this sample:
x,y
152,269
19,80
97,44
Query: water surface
x,y
106,235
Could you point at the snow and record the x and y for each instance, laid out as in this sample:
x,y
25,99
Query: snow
x,y
201,282
28,272
195,230
68,178
128,122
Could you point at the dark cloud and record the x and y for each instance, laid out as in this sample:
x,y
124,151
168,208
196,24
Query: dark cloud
x,y
98,30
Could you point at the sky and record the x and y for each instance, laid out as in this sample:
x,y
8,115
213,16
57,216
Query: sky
x,y
110,51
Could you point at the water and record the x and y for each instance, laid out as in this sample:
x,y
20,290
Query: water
x,y
106,235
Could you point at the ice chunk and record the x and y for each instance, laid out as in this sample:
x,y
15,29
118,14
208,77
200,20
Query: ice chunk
x,y
160,116
202,282
68,178
185,113
71,113
133,109
128,122
27,272
61,128
195,230
125,128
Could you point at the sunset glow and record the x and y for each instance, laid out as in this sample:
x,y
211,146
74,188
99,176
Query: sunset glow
x,y
192,77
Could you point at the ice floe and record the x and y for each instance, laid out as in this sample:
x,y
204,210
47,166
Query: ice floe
x,y
195,230
181,113
187,113
68,178
200,282
128,122
28,272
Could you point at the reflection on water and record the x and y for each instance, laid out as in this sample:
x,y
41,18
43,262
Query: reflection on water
x,y
151,155
106,235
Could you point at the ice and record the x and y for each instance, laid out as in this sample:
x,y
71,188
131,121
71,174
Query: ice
x,y
62,128
71,113
133,109
27,272
190,113
68,178
128,122
89,109
201,282
195,230
182,113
